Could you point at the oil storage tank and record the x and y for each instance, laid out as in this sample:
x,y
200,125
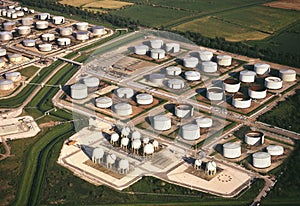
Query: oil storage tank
x,y
9,25
257,92
43,16
82,35
2,63
158,53
215,93
91,82
157,78
176,84
172,47
287,75
204,122
63,41
79,91
247,76
273,83
125,92
205,55
190,62
161,123
231,85
184,110
254,138
209,67
123,109
15,58
103,102
41,25
232,150
261,68
156,43
48,37
98,30
13,76
58,19
27,21
144,99
224,60
173,70
261,160
141,49
24,30
45,47
6,84
82,26
65,31
6,35
275,150
192,75
241,101
2,52
190,132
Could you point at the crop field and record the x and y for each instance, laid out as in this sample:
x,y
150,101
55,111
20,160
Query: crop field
x,y
285,4
105,4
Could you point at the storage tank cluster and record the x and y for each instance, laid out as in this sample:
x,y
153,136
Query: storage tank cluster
x,y
66,31
215,93
27,21
254,138
82,35
261,160
43,16
231,85
241,101
209,66
184,110
9,25
2,52
82,26
14,12
232,150
144,99
224,60
172,47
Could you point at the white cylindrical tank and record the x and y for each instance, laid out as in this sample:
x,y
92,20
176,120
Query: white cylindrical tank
x,y
275,150
148,149
13,76
204,122
215,93
261,68
48,37
158,53
45,47
136,135
273,83
190,62
6,84
157,78
173,71
82,26
15,58
41,25
31,11
2,52
58,19
184,110
247,76
27,21
104,102
114,137
63,41
232,150
110,159
5,35
141,49
209,67
25,9
176,83
19,14
224,60
2,63
241,101
97,155
287,75
91,82
14,16
79,91
123,109
9,25
125,92
124,165
43,16
18,8
156,43
66,31
136,144
161,122
190,132
172,47
192,75
261,160
254,138
231,85
98,30
24,30
205,55
144,99
257,92
82,35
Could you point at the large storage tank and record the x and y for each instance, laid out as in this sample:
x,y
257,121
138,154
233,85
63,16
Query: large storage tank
x,y
209,67
97,155
184,110
104,102
15,58
205,55
261,68
123,109
176,83
24,30
231,85
82,35
161,122
275,150
172,47
110,160
157,78
273,83
123,166
224,60
43,16
141,49
19,14
9,25
48,37
287,75
98,30
13,76
82,26
66,31
261,160
91,82
144,99
190,62
204,122
190,132
6,84
14,16
158,53
214,93
173,71
45,47
41,25
241,101
156,43
257,92
247,76
2,52
192,75
125,92
79,91
58,19
63,41
254,138
232,150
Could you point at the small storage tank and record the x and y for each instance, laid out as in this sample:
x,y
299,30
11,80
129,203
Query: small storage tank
x,y
136,144
275,150
157,78
5,35
43,16
63,41
215,93
125,92
247,76
97,155
232,150
172,47
173,71
15,58
66,31
211,168
9,25
192,75
204,122
98,30
261,160
25,9
14,16
48,37
2,52
114,137
144,99
231,85
13,76
190,62
161,122
104,102
254,138
82,26
3,12
123,109
58,19
176,83
141,49
19,13
18,8
91,82
190,132
6,84
136,135
79,91
158,53
241,101
257,92
273,83
156,43
261,68
209,67
287,75
9,14
110,160
224,60
184,110
41,25
123,166
82,35
31,11
205,55
45,47
148,149
27,21
24,30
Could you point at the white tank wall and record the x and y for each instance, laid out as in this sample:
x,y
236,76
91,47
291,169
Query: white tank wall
x,y
184,110
205,55
172,47
79,91
287,75
158,53
141,49
104,102
241,103
261,68
231,86
176,84
190,62
261,94
247,76
6,85
144,99
275,150
232,150
173,71
253,138
192,75
273,83
224,60
190,132
209,66
123,109
261,160
161,122
215,93
156,43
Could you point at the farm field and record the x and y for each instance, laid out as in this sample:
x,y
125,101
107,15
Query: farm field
x,y
285,4
104,4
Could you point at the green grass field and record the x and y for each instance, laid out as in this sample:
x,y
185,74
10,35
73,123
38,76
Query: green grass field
x,y
29,71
